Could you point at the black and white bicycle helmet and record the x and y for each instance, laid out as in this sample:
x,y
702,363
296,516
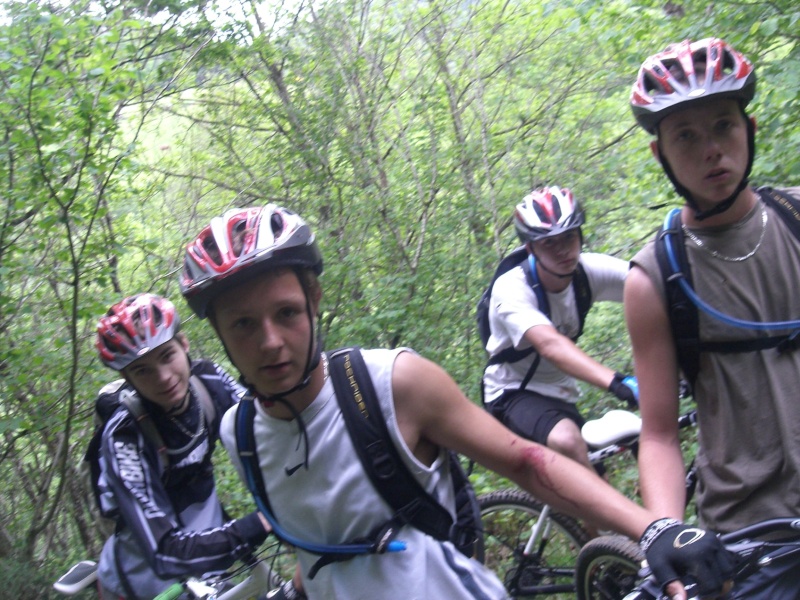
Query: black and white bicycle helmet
x,y
240,244
547,212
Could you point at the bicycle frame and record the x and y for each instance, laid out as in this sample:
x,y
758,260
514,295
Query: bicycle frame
x,y
534,547
258,581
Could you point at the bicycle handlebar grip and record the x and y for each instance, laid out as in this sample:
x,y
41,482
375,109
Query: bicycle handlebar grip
x,y
171,593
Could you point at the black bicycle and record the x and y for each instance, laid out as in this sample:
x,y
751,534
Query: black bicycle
x,y
747,544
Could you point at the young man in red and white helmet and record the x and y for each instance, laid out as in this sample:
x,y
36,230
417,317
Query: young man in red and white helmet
x,y
254,274
745,265
534,393
170,523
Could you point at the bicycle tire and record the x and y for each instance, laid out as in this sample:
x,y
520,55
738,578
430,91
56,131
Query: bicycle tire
x,y
508,517
608,568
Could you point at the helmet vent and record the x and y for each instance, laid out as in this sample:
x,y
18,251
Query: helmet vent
x,y
238,234
158,316
210,246
276,224
110,344
728,64
544,217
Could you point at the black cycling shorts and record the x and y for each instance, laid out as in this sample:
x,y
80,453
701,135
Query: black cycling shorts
x,y
533,415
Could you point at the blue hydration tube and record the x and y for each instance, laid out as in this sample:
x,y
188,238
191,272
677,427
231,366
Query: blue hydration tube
x,y
353,548
697,301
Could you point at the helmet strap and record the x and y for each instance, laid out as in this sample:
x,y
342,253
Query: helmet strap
x,y
721,207
313,356
539,263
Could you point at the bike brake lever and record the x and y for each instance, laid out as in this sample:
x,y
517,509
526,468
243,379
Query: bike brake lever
x,y
747,554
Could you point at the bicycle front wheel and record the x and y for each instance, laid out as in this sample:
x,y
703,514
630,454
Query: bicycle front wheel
x,y
608,568
548,566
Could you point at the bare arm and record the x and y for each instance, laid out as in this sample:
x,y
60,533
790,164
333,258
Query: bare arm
x,y
432,411
661,464
567,356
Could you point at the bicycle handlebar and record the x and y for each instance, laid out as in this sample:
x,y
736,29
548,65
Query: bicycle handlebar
x,y
171,593
762,528
742,543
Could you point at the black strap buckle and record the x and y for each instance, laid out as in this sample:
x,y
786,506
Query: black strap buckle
x,y
790,343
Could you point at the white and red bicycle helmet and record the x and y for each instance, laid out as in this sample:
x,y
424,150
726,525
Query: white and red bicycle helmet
x,y
240,244
133,327
689,72
546,212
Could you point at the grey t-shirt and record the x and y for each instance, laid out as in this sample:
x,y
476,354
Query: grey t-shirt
x,y
749,414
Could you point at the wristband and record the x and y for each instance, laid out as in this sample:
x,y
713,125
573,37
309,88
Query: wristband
x,y
655,529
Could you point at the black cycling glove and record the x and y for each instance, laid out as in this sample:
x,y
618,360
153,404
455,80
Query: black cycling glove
x,y
626,388
674,550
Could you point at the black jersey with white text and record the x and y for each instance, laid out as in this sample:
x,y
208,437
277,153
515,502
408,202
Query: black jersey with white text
x,y
170,522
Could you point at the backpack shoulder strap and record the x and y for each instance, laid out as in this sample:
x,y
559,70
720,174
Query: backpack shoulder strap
x,y
131,401
580,284
681,311
511,354
583,295
583,299
533,281
376,450
786,205
200,389
246,449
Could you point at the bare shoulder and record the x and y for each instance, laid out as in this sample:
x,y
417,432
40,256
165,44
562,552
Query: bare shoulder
x,y
425,393
416,379
641,296
425,399
639,282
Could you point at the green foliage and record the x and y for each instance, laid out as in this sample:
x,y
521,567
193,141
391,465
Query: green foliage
x,y
22,579
405,132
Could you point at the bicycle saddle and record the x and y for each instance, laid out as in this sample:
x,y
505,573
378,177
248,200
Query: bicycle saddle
x,y
77,578
612,428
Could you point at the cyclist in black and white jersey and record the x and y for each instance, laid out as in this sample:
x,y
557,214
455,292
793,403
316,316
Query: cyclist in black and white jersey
x,y
170,523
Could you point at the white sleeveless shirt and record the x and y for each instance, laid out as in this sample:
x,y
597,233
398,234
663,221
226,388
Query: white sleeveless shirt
x,y
334,502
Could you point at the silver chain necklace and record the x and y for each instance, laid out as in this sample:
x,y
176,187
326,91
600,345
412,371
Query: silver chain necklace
x,y
701,244
201,425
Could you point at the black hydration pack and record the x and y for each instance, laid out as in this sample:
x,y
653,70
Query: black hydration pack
x,y
683,312
520,256
412,504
